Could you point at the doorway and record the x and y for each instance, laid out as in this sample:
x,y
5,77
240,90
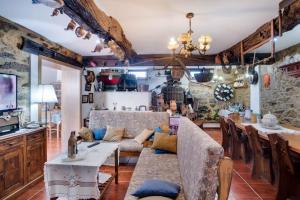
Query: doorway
x,y
63,116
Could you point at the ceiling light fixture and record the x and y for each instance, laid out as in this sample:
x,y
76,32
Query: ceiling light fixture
x,y
185,39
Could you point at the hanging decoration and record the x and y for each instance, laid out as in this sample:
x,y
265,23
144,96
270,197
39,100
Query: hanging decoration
x,y
223,92
266,80
204,75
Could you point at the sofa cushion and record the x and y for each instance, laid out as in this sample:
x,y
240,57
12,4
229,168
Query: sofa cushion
x,y
155,187
113,134
142,137
130,145
99,133
155,198
86,134
164,127
164,141
154,166
133,122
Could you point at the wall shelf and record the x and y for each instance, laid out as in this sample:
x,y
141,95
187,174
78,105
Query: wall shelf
x,y
292,69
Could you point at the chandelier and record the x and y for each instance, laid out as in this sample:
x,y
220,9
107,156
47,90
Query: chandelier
x,y
185,39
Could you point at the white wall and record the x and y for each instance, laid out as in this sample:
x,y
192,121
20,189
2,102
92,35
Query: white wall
x,y
71,102
50,75
255,93
128,99
34,81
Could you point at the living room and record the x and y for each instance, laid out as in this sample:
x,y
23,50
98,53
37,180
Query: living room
x,y
149,100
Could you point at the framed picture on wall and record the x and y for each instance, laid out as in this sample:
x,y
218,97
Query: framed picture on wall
x,y
91,98
88,87
85,99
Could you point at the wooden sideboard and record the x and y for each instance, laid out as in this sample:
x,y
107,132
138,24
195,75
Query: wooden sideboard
x,y
22,158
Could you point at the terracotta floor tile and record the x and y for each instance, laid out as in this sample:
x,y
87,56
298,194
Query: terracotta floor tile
x,y
243,186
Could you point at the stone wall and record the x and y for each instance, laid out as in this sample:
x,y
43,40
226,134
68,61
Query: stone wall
x,y
282,98
205,104
15,61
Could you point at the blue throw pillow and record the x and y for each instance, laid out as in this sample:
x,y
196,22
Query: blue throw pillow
x,y
99,133
157,188
159,151
158,129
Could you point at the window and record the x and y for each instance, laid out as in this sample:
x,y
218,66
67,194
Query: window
x,y
139,74
193,73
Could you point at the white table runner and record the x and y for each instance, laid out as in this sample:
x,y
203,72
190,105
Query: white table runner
x,y
282,130
77,179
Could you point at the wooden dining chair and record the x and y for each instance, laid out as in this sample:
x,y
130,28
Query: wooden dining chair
x,y
261,154
286,179
239,143
225,134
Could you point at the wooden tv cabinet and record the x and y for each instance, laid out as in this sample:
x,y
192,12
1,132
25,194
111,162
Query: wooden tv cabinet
x,y
22,158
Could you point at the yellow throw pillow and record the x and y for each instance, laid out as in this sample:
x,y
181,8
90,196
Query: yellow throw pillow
x,y
164,141
155,198
86,134
113,134
142,137
164,128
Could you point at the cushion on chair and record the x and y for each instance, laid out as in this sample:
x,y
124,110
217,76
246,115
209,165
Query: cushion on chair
x,y
99,133
130,145
86,134
164,141
156,187
114,134
142,137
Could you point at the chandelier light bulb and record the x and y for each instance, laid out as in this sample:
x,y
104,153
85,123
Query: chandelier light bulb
x,y
205,39
173,44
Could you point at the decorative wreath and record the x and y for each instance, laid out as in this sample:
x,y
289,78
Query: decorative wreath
x,y
223,92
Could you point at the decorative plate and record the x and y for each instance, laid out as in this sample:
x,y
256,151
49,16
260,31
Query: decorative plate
x,y
223,92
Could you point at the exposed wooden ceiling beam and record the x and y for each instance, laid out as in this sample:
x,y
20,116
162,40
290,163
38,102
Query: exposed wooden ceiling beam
x,y
287,21
160,60
87,14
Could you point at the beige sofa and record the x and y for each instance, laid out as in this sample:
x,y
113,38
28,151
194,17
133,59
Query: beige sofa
x,y
194,167
133,122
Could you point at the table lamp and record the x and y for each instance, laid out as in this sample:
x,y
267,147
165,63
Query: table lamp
x,y
45,94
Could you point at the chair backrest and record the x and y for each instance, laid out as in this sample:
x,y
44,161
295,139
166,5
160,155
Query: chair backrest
x,y
232,129
225,177
254,140
280,154
225,132
198,157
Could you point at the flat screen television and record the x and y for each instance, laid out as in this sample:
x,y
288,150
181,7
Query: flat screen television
x,y
8,92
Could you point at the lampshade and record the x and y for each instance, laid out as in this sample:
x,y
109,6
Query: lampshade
x,y
205,39
45,94
173,44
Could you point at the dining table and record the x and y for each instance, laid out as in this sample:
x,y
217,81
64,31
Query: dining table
x,y
287,131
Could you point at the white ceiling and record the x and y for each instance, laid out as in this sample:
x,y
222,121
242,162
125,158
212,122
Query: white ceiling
x,y
149,24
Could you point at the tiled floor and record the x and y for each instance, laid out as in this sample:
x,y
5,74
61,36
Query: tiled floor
x,y
243,186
